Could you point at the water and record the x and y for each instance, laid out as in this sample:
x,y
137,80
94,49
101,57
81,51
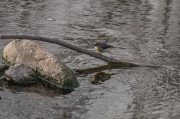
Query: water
x,y
149,30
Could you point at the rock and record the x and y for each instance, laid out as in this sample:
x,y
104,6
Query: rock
x,y
40,61
20,74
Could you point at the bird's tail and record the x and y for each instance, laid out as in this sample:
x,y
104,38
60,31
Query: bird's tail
x,y
120,47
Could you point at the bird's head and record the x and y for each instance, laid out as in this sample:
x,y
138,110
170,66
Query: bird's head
x,y
96,44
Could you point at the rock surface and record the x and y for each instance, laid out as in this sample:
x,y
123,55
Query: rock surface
x,y
42,62
20,74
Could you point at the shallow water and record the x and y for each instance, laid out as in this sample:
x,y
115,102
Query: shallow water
x,y
149,32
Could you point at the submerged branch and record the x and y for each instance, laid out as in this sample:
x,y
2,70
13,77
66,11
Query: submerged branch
x,y
73,47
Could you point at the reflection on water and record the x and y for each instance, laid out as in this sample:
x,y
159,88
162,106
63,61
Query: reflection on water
x,y
148,29
100,77
40,87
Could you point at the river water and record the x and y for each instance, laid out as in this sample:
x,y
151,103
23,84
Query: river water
x,y
148,31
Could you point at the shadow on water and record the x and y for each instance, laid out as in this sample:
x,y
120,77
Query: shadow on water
x,y
109,66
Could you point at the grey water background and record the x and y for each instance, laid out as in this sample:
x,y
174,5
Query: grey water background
x,y
149,30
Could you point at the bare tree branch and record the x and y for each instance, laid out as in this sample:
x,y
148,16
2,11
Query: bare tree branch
x,y
73,47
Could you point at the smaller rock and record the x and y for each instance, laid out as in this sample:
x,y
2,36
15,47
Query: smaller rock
x,y
20,74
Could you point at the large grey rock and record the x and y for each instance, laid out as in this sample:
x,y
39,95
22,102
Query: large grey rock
x,y
21,74
42,62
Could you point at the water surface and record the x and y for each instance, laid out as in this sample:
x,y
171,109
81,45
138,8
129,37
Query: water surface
x,y
149,30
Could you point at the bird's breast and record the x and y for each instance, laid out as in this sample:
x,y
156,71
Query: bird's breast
x,y
98,49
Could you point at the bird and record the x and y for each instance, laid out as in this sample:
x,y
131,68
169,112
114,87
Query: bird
x,y
103,47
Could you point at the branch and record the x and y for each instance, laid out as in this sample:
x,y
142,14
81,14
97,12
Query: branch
x,y
71,46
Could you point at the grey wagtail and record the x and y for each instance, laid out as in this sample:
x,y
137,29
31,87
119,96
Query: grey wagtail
x,y
103,47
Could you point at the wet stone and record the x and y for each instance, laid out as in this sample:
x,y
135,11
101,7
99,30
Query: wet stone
x,y
20,74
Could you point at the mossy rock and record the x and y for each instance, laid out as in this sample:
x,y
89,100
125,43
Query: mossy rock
x,y
40,61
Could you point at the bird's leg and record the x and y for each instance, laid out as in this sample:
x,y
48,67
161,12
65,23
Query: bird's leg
x,y
110,54
99,53
109,71
111,58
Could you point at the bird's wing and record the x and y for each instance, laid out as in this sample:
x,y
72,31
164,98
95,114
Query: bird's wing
x,y
105,45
